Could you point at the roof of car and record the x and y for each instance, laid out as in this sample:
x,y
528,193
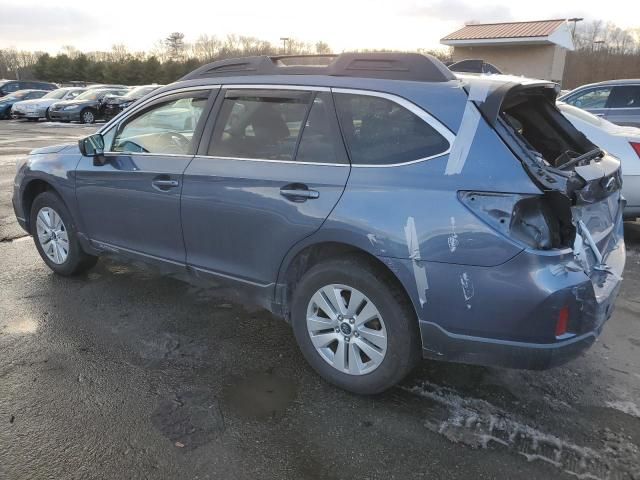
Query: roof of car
x,y
384,65
620,81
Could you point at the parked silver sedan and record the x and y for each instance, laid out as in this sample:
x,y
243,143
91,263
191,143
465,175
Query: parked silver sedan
x,y
39,108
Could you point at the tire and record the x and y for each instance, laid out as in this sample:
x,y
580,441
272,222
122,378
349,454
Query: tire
x,y
76,260
396,321
47,116
87,116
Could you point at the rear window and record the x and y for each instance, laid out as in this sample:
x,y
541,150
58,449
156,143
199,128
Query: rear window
x,y
379,131
543,128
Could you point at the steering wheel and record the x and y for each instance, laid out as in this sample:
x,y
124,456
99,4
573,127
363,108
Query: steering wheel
x,y
175,140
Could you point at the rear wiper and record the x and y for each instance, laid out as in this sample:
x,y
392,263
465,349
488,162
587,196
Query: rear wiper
x,y
596,152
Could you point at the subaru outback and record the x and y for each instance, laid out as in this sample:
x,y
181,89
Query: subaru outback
x,y
386,209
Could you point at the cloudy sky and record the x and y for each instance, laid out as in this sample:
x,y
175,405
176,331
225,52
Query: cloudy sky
x,y
344,24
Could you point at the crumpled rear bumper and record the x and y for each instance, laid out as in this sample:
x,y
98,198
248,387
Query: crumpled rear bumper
x,y
506,315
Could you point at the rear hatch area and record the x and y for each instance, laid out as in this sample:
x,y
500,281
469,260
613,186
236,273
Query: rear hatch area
x,y
577,219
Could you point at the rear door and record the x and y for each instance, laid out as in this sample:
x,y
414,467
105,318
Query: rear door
x,y
272,172
623,105
131,201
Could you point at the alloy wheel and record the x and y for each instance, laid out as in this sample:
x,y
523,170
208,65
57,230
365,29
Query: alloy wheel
x,y
88,117
52,235
346,329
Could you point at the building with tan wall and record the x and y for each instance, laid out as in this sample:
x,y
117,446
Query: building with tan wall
x,y
534,49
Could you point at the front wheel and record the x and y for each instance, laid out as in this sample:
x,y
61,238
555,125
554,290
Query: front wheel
x,y
355,325
54,234
87,116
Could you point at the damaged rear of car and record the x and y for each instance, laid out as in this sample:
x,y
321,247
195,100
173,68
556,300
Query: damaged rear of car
x,y
572,232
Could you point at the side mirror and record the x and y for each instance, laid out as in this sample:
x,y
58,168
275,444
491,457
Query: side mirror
x,y
93,146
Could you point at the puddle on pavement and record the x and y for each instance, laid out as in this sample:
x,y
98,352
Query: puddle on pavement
x,y
259,395
189,419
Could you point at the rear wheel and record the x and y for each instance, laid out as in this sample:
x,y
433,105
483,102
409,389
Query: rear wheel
x,y
87,116
355,326
54,234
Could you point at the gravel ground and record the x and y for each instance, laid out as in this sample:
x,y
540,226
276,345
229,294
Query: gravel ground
x,y
123,373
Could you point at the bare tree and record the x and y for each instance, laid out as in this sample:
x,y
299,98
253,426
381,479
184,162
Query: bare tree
x,y
175,46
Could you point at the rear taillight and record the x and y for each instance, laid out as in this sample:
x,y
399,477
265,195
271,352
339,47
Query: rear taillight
x,y
562,324
636,147
528,219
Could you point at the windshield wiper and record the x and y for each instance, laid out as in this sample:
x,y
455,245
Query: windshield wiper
x,y
596,152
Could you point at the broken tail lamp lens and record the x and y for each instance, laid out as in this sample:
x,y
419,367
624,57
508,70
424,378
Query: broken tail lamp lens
x,y
562,324
526,219
636,147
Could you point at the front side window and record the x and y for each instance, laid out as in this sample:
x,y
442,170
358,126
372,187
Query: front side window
x,y
627,96
593,98
164,128
379,131
259,124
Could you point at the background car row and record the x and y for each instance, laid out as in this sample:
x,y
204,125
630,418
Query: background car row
x,y
81,104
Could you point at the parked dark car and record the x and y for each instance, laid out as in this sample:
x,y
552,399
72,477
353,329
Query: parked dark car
x,y
7,101
113,105
86,107
618,101
383,207
10,86
473,66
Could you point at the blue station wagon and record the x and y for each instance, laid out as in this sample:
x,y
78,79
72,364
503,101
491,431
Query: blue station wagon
x,y
386,209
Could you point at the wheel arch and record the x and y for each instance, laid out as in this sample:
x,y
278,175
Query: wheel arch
x,y
299,261
32,189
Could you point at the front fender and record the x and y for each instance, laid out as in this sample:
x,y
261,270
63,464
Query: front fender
x,y
54,166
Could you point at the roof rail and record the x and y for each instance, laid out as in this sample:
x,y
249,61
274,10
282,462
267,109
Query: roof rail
x,y
391,66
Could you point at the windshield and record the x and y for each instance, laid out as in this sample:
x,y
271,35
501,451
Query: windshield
x,y
139,92
90,95
59,93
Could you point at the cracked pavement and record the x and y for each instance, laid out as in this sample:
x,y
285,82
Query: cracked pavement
x,y
123,373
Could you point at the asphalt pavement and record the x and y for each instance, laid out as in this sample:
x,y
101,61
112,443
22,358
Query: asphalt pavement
x,y
123,374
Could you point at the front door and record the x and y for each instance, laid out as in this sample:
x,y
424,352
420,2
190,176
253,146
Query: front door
x,y
131,201
273,171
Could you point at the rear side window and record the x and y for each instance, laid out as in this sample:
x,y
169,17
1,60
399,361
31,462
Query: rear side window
x,y
317,144
593,98
259,124
624,97
379,131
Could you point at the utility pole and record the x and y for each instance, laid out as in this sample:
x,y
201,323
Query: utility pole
x,y
575,21
284,44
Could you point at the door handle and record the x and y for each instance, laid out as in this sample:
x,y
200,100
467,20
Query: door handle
x,y
164,183
298,192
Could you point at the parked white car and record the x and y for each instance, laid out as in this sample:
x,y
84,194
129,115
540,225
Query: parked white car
x,y
622,142
39,107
